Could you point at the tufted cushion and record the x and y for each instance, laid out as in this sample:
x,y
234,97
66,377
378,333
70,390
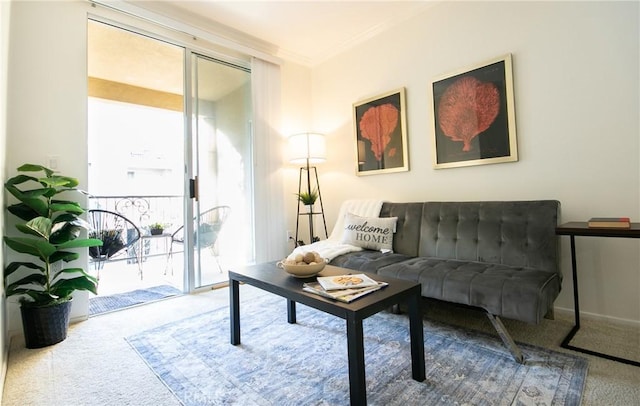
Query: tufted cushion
x,y
367,260
516,233
514,292
374,233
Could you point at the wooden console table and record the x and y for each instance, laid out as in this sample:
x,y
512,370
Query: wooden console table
x,y
582,229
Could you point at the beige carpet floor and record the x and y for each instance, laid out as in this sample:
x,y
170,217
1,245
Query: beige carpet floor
x,y
96,366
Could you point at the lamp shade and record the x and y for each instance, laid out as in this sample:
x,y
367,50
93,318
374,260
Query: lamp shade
x,y
307,146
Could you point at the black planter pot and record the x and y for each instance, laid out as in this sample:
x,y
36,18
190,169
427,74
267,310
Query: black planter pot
x,y
44,326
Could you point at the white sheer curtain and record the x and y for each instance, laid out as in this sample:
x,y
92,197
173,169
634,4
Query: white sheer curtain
x,y
270,229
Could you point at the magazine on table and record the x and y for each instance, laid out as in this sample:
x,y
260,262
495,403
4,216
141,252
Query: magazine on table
x,y
344,295
346,281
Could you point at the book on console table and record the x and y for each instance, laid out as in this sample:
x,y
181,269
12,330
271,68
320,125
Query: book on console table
x,y
344,295
609,222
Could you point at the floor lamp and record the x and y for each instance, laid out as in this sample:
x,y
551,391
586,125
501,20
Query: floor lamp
x,y
307,149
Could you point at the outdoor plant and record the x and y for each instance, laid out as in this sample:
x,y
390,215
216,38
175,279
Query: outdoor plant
x,y
52,228
308,198
156,228
112,243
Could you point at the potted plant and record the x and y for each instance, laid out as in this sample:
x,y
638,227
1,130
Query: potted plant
x,y
156,228
308,198
52,228
111,243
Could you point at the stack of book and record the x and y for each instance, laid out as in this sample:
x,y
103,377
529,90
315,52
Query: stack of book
x,y
345,288
609,222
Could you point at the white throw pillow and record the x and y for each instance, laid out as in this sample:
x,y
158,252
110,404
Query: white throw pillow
x,y
374,233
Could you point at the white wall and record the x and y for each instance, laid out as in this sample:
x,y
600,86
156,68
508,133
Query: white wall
x,y
5,10
577,111
296,99
47,99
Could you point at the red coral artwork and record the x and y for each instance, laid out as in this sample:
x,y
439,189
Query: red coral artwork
x,y
467,108
377,124
381,138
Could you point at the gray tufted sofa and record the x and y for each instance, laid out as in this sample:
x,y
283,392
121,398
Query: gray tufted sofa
x,y
500,256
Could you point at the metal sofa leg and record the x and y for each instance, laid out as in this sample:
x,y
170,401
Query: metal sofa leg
x,y
506,338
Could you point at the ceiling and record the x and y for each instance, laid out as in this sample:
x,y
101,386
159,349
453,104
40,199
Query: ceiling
x,y
307,32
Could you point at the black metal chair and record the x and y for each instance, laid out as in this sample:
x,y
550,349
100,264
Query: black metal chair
x,y
118,235
208,229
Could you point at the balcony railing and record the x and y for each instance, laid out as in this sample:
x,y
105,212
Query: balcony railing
x,y
169,210
143,210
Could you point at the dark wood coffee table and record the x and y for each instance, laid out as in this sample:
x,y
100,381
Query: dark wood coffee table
x,y
269,277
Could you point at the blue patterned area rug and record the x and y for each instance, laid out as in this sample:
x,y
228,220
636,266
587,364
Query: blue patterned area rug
x,y
306,363
119,301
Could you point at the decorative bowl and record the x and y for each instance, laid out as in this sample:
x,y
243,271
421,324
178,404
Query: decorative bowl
x,y
302,271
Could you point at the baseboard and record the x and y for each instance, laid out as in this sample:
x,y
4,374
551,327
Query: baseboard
x,y
78,319
5,366
597,317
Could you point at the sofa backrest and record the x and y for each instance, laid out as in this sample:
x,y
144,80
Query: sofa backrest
x,y
514,233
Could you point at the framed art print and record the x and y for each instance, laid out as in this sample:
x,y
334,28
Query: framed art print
x,y
381,136
474,116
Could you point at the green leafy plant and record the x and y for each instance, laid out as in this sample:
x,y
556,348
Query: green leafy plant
x,y
308,198
112,243
156,226
52,227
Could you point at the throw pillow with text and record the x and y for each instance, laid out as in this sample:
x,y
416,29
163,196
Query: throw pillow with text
x,y
374,233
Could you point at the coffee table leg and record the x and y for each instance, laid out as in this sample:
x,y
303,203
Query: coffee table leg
x,y
417,338
234,308
291,311
355,348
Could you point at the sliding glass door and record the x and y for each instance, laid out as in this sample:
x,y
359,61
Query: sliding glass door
x,y
170,142
221,164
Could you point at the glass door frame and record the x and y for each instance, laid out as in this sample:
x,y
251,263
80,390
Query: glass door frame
x,y
193,277
190,192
